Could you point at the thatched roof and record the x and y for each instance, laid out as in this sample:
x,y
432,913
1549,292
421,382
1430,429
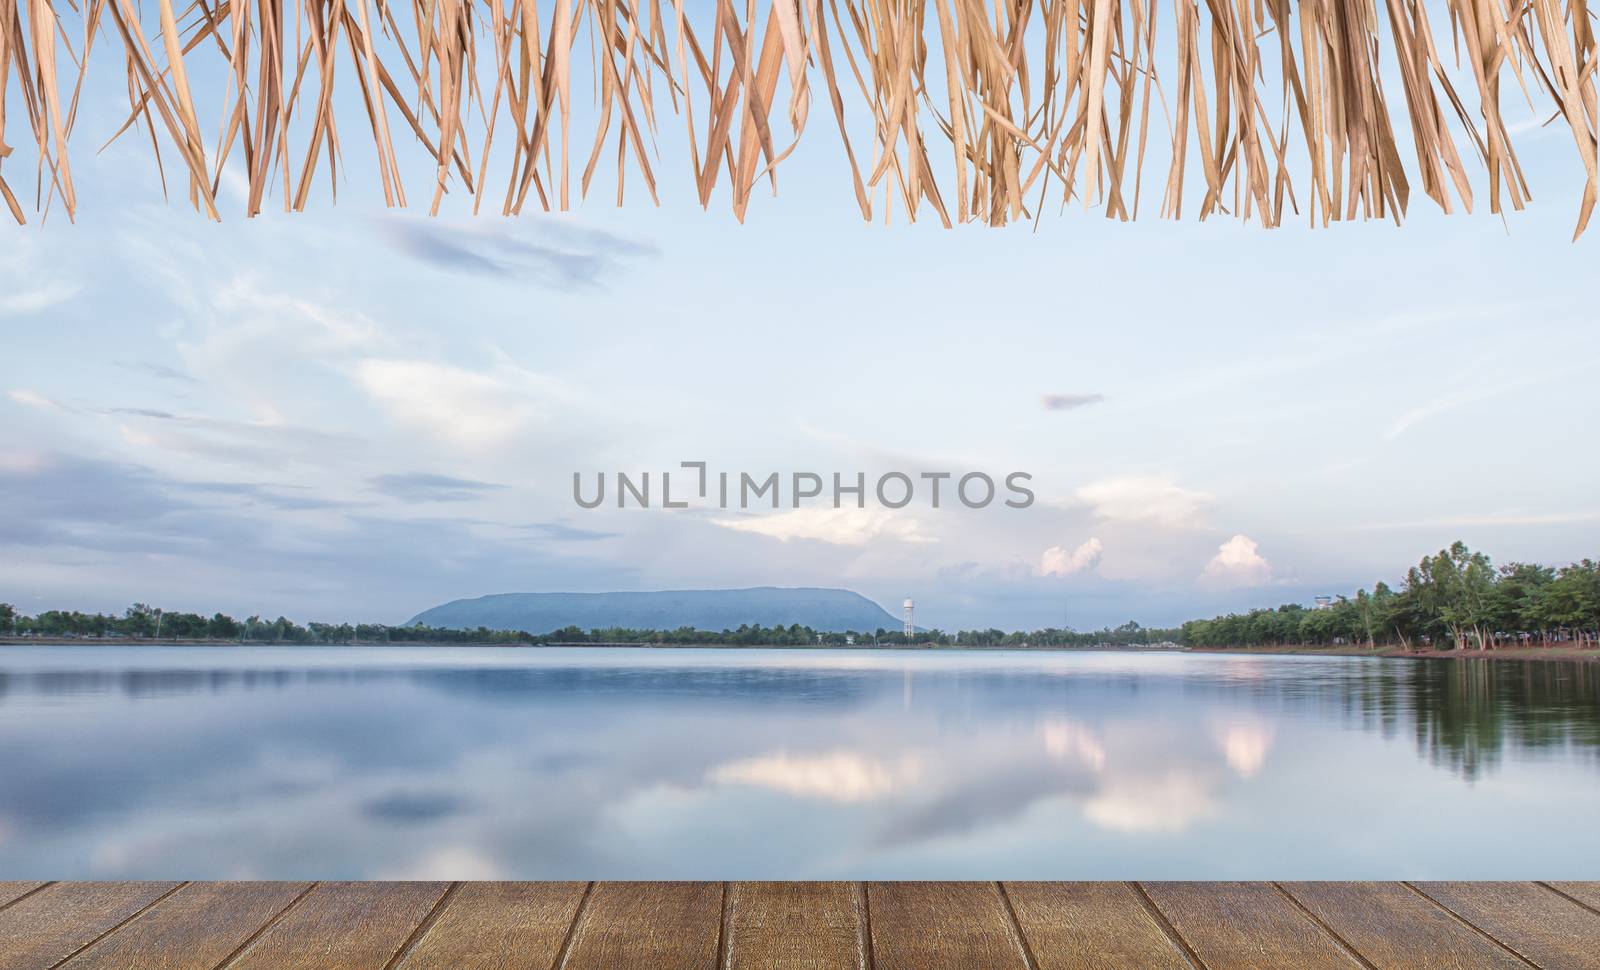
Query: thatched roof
x,y
987,110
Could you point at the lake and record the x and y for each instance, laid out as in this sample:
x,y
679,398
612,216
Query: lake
x,y
289,763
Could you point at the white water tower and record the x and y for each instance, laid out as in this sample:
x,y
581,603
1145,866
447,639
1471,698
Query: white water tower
x,y
911,629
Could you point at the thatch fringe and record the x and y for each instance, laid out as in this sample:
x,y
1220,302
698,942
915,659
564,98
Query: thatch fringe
x,y
978,109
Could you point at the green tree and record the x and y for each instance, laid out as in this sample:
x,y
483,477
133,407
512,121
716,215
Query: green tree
x,y
1571,602
1469,578
139,620
1514,601
223,627
1450,596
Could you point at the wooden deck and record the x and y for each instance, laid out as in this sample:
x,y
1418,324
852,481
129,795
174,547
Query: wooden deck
x,y
775,926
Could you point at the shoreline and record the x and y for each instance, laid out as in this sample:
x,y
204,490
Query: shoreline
x,y
1400,653
1530,653
483,644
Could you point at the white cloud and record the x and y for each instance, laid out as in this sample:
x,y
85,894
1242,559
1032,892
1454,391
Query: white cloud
x,y
270,349
1238,563
841,527
1058,561
1475,388
32,299
1490,519
1533,126
248,319
1144,498
840,776
1439,405
33,399
27,284
463,407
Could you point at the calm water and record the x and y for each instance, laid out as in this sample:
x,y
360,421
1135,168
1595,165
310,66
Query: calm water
x,y
475,763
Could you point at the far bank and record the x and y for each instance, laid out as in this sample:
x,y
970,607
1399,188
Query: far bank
x,y
1567,653
1351,650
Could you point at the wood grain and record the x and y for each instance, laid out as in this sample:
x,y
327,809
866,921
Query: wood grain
x,y
499,926
934,925
795,926
344,926
1071,925
1544,928
1245,926
196,928
14,890
1391,926
1587,893
57,921
649,926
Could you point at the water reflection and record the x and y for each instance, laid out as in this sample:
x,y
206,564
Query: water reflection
x,y
1245,747
839,776
458,763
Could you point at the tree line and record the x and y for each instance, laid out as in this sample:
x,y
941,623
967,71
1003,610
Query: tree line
x,y
143,622
1455,599
1129,634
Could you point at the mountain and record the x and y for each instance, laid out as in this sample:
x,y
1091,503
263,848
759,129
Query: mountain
x,y
828,610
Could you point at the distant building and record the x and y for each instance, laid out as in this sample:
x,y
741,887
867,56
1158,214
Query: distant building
x,y
1323,603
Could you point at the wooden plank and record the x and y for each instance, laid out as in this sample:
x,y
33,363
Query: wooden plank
x,y
934,925
499,926
14,890
648,925
1245,926
1587,893
57,921
1106,925
1545,928
790,926
196,928
1391,926
795,926
344,926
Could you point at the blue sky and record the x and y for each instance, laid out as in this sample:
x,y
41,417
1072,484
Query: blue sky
x,y
260,417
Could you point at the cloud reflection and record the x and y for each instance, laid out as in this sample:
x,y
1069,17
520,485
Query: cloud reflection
x,y
712,764
1245,747
1065,740
464,862
1169,802
840,776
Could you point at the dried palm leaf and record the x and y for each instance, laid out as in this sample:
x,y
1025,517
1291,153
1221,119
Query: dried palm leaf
x,y
970,109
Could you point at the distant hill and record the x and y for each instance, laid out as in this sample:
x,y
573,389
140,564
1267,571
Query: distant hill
x,y
826,610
